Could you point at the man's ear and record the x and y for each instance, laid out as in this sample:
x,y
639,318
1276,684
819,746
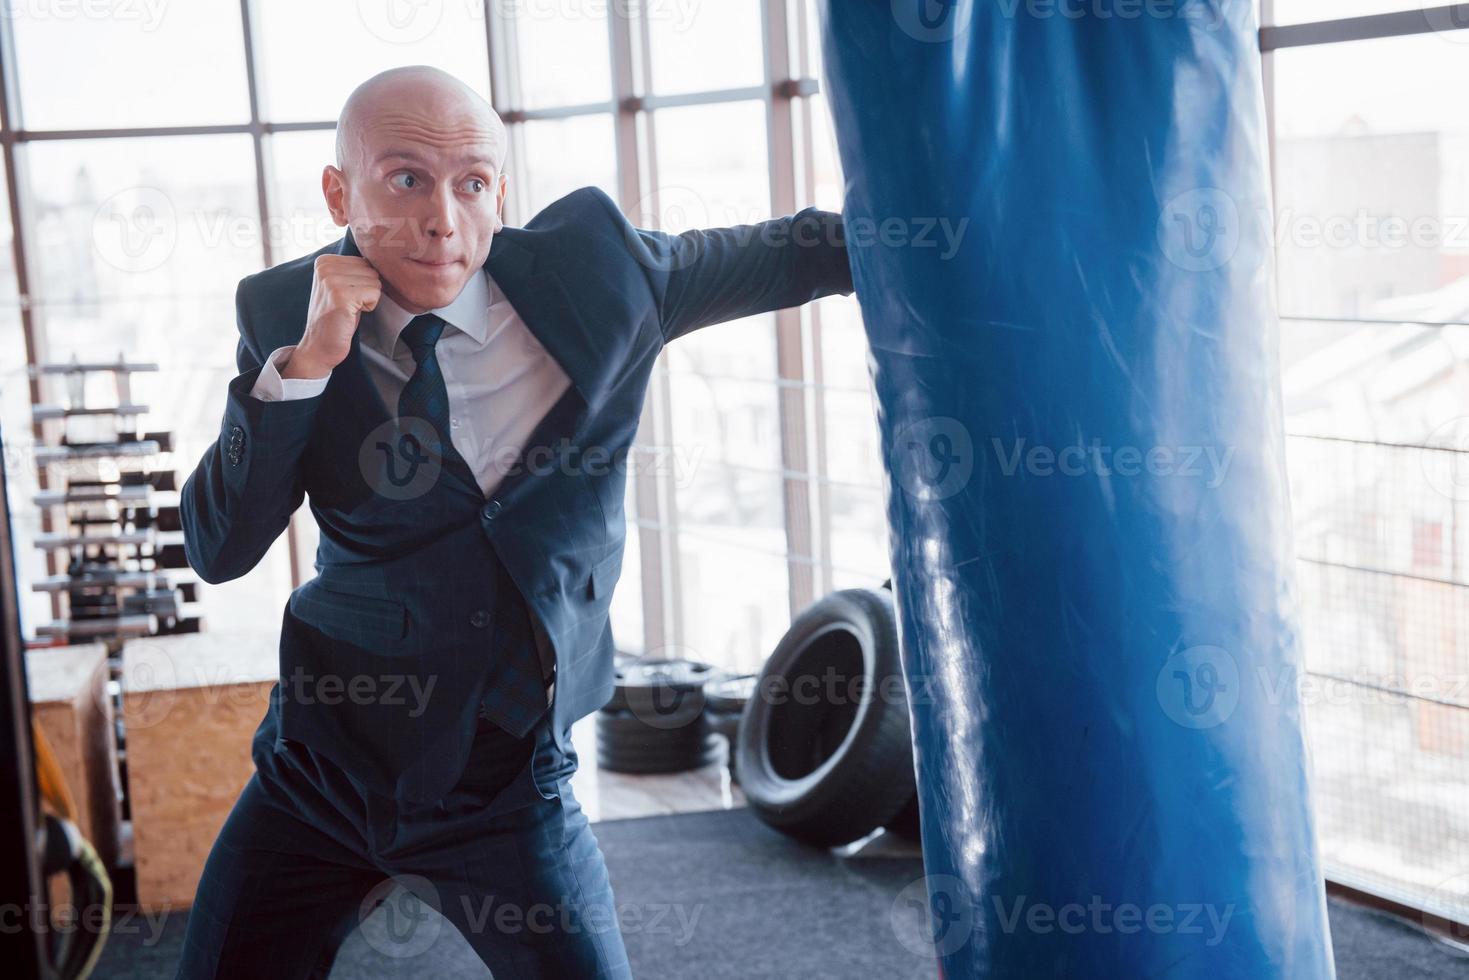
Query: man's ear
x,y
500,202
334,190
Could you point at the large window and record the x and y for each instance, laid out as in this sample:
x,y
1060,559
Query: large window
x,y
196,159
1371,163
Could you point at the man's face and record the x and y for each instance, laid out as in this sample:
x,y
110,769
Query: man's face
x,y
423,196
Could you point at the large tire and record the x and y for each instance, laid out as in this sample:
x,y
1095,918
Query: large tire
x,y
829,770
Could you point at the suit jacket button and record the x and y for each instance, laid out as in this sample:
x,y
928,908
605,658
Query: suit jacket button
x,y
480,619
237,445
491,510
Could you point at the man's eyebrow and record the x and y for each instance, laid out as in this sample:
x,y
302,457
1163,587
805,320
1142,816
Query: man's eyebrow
x,y
463,159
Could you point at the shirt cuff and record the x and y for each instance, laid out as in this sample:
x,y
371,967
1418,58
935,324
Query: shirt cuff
x,y
271,387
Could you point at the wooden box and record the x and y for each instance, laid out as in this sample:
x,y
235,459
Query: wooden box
x,y
191,703
69,700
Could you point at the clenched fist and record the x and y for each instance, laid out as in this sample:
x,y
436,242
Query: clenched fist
x,y
343,287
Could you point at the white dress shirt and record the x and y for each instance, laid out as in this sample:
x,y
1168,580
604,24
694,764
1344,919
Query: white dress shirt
x,y
501,382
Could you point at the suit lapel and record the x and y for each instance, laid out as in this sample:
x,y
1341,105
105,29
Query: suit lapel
x,y
542,302
539,296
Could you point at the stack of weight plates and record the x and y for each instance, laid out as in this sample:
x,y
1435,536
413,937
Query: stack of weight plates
x,y
724,703
655,721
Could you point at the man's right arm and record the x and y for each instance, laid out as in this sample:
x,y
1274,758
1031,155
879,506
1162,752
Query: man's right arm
x,y
271,387
248,482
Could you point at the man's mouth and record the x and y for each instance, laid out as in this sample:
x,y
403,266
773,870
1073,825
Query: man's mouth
x,y
435,263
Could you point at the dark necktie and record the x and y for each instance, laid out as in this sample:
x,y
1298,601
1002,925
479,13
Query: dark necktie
x,y
515,685
424,396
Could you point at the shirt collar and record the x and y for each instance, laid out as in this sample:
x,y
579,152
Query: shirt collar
x,y
468,312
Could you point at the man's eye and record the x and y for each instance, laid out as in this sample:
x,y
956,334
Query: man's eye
x,y
405,181
479,184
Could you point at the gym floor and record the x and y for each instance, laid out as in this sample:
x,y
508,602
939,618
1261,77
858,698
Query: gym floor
x,y
616,796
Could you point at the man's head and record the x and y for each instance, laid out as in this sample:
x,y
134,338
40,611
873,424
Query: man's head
x,y
419,180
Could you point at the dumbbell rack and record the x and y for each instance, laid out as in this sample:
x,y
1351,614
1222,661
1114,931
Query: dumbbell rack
x,y
126,574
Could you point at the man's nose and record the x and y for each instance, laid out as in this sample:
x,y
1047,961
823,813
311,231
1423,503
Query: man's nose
x,y
439,222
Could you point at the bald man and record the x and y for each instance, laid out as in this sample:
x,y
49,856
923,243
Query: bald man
x,y
458,397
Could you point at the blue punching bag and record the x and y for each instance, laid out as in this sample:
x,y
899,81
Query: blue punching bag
x,y
1057,218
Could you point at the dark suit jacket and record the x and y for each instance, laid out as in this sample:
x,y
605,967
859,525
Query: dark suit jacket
x,y
396,608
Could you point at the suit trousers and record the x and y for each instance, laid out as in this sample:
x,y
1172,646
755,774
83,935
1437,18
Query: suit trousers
x,y
307,853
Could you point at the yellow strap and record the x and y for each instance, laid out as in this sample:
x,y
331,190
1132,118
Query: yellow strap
x,y
52,783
